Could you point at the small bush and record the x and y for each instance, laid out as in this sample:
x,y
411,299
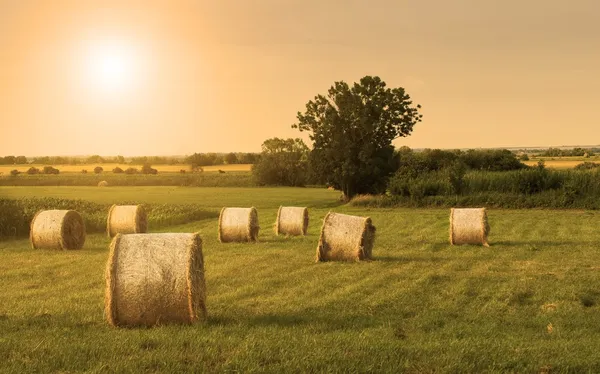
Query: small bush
x,y
84,171
33,171
117,170
182,171
15,172
586,166
50,170
147,169
98,169
131,171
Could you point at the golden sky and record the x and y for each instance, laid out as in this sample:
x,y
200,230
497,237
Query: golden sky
x,y
142,77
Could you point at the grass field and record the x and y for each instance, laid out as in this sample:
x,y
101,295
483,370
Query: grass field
x,y
6,169
561,162
529,303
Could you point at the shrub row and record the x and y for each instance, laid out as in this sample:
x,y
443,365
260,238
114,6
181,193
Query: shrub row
x,y
525,188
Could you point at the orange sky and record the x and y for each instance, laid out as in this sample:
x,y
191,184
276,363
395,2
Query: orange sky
x,y
176,77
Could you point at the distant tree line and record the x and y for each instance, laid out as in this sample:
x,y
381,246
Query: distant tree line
x,y
287,162
208,159
575,152
13,160
200,159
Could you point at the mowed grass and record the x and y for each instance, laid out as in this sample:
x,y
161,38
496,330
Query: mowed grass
x,y
528,303
6,169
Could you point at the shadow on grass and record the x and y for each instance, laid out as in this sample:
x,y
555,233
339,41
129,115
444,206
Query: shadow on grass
x,y
317,321
408,259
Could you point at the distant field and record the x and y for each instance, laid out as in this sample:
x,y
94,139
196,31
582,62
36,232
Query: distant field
x,y
530,303
561,162
5,169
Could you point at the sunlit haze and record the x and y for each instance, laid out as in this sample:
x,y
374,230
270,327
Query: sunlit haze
x,y
178,77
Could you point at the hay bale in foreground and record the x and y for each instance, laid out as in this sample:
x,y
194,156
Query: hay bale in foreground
x,y
346,238
57,229
155,279
291,220
469,226
238,225
126,219
103,184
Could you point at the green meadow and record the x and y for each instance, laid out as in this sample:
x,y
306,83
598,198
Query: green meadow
x,y
528,303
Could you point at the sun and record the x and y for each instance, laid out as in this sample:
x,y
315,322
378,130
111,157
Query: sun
x,y
111,68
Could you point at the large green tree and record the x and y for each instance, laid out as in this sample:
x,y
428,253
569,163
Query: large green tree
x,y
282,162
352,129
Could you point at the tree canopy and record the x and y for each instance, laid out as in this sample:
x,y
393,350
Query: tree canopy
x,y
352,129
282,162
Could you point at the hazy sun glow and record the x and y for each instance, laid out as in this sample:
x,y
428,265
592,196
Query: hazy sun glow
x,y
111,67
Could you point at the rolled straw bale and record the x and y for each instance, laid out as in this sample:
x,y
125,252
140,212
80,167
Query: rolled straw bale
x,y
103,184
57,229
126,219
155,279
345,238
469,226
291,220
238,225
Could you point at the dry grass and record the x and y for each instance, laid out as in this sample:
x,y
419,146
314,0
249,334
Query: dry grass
x,y
559,163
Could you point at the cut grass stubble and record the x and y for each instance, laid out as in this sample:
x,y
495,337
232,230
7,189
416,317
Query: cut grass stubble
x,y
422,305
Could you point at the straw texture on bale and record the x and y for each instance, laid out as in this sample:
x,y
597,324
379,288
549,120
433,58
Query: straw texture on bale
x,y
103,184
291,220
238,225
469,226
346,238
57,229
154,279
126,219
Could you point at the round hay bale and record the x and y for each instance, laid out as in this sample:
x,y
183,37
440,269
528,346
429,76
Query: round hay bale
x,y
291,220
238,225
154,279
57,229
469,226
103,184
126,219
346,238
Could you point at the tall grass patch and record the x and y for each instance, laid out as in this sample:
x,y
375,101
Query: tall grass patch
x,y
17,214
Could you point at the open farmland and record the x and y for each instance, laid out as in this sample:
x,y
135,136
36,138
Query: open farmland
x,y
528,303
6,169
561,162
